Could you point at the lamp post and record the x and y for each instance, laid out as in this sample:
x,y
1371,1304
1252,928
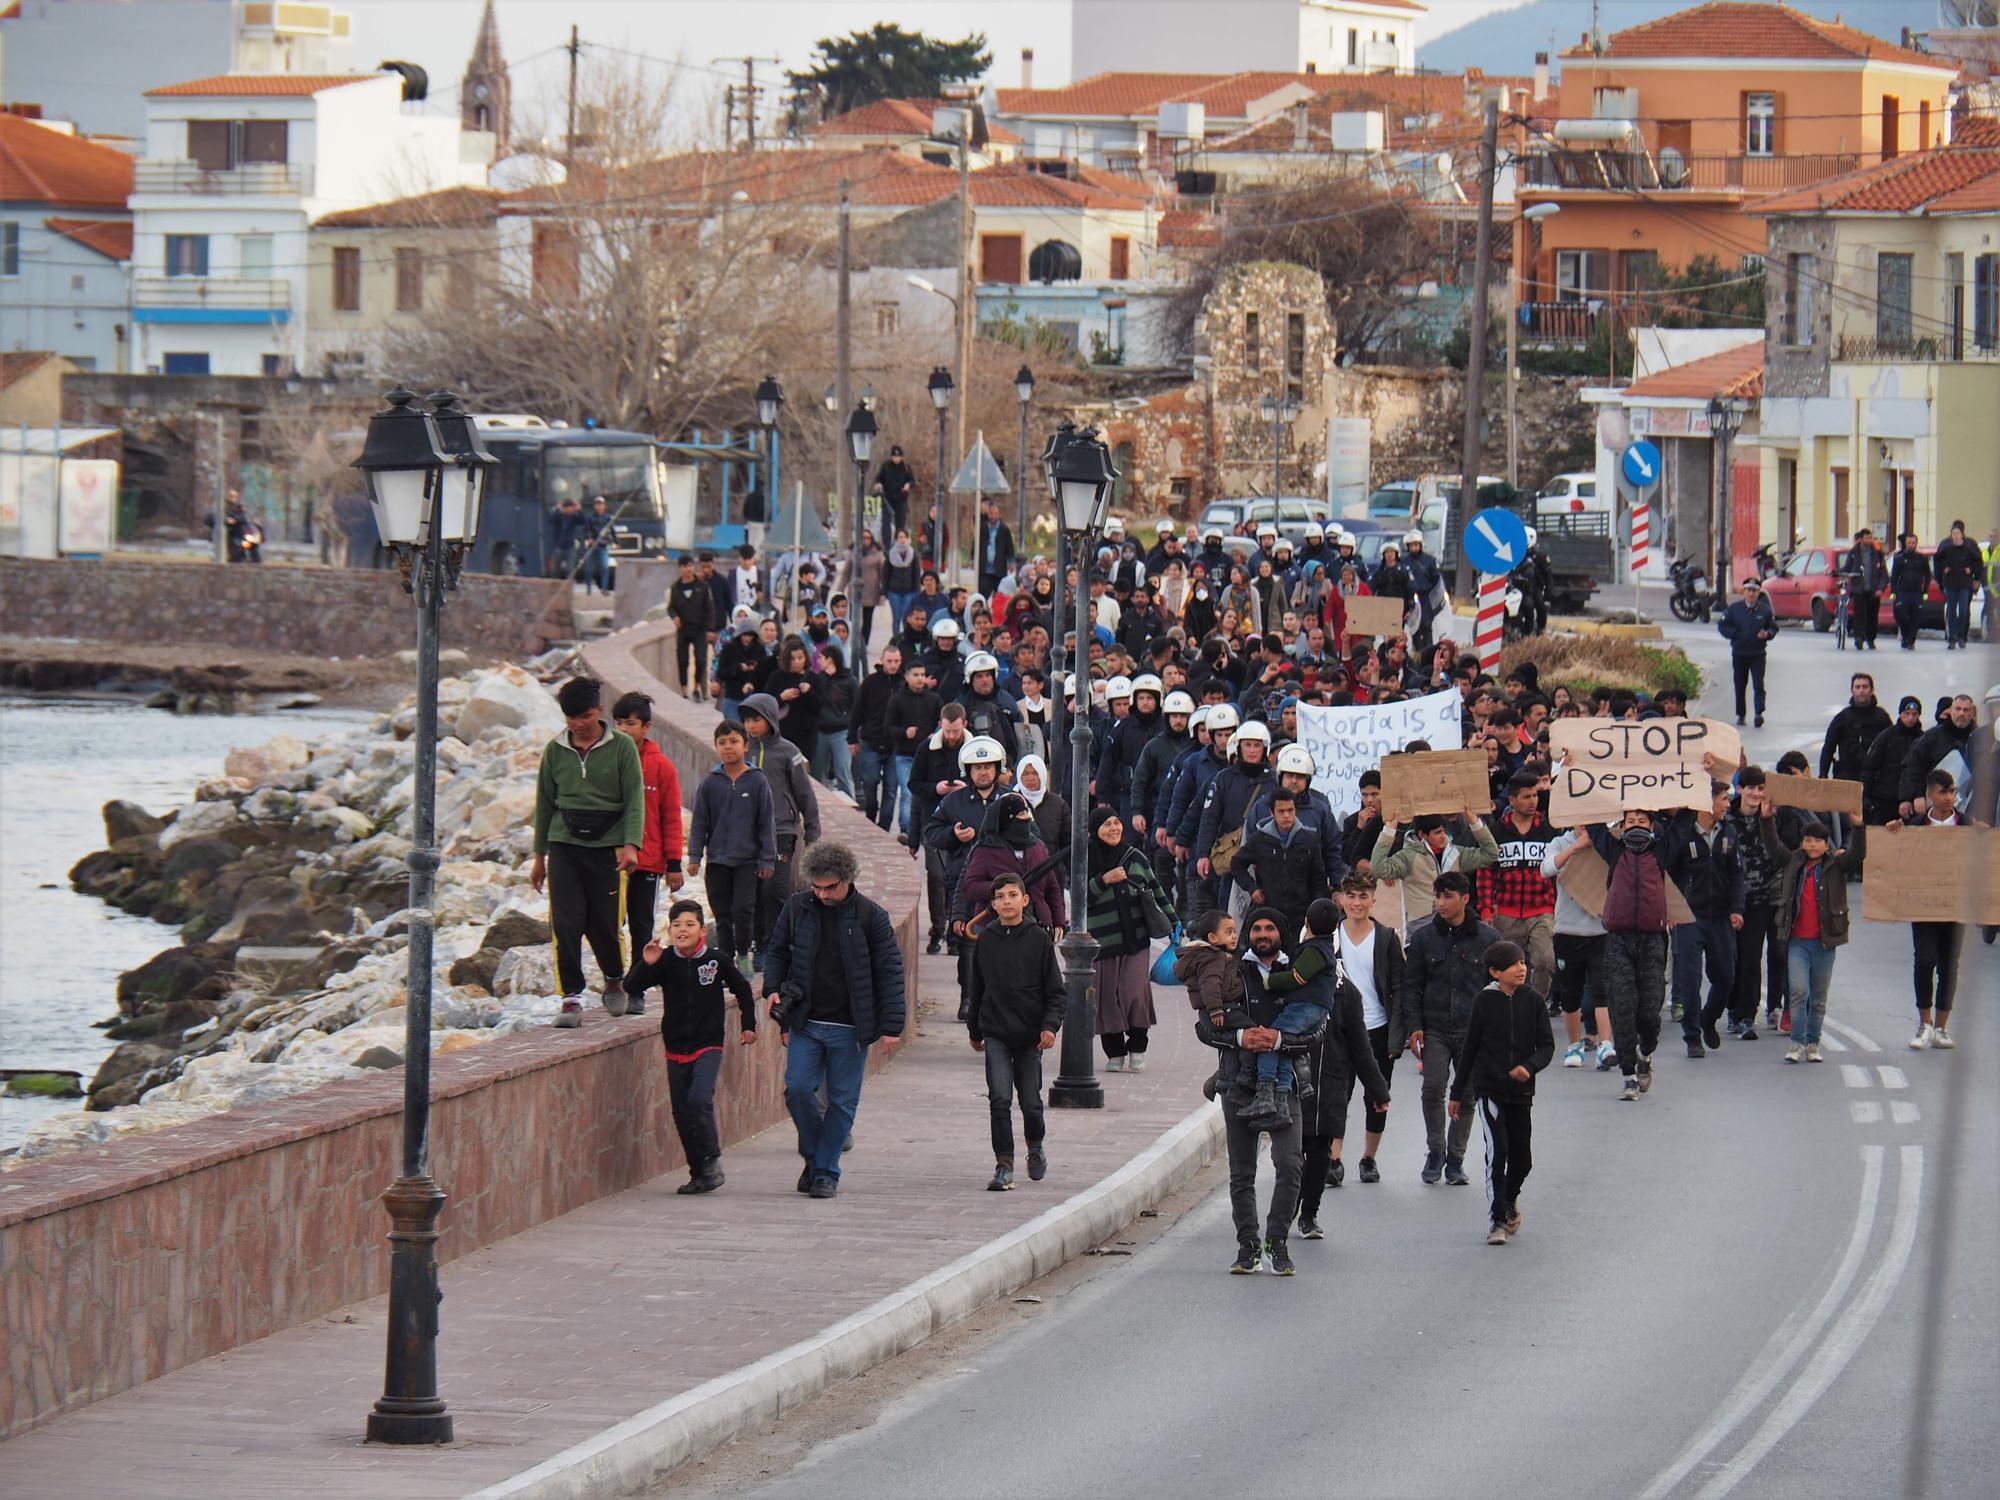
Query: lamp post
x,y
1724,417
1082,474
1024,387
941,389
1280,412
861,431
770,398
1058,658
426,473
1533,214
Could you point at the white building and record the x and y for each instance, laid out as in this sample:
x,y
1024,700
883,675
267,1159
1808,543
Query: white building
x,y
235,169
1278,36
130,46
64,237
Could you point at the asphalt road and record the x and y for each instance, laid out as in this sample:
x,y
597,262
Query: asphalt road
x,y
1719,1290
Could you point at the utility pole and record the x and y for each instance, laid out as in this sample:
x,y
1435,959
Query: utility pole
x,y
569,133
1475,363
843,381
964,309
728,116
750,92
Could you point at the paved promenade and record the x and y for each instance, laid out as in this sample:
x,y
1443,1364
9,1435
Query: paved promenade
x,y
572,1327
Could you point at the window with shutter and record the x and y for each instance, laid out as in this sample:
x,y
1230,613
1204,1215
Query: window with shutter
x,y
263,140
1121,258
208,145
346,279
1000,258
409,279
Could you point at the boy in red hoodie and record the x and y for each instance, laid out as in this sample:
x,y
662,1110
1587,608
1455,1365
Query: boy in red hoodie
x,y
660,855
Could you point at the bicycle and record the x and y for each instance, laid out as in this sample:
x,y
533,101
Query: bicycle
x,y
1842,608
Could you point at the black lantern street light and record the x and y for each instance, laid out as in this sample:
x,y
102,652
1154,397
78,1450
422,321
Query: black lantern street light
x,y
770,398
1082,474
1724,417
940,387
1024,388
426,473
1280,413
861,432
1058,658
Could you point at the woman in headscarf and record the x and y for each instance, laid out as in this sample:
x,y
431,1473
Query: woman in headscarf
x,y
1198,615
1174,590
1121,881
901,574
1050,807
1009,843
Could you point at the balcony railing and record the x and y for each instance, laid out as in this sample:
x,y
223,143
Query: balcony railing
x,y
258,293
1667,171
1920,349
1561,323
273,179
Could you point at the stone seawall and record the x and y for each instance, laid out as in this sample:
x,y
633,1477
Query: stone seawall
x,y
271,607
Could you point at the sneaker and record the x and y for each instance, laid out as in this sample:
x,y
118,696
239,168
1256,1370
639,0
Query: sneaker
x,y
571,1013
1631,1089
1646,1074
1925,1035
935,945
1940,1039
1813,1053
1555,1008
1607,1057
1760,721
1573,1057
1433,1166
822,1187
615,998
1369,1171
1454,1172
1003,1179
1514,1222
1676,1011
1711,1038
1135,1062
1497,1235
1796,1053
1038,1164
1749,1031
1114,1064
1785,1021
1309,1229
1695,1048
1336,1173
1249,1260
1280,1256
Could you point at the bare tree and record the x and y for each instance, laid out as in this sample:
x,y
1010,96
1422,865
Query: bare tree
x,y
312,442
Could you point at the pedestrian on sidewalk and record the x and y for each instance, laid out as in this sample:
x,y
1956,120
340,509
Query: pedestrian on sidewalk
x,y
1579,972
1014,1007
1812,919
866,593
743,666
836,690
1959,570
1126,903
794,802
1934,946
1909,587
1867,575
1443,974
1749,626
589,830
660,855
870,748
1507,1042
691,606
733,827
695,981
1635,949
833,977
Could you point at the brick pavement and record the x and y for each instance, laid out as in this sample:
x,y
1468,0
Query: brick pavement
x,y
571,1327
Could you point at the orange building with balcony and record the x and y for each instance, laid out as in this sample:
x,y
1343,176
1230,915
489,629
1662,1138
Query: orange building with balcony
x,y
1666,132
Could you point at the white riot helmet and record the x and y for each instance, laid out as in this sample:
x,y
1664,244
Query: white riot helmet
x,y
1315,532
1196,720
1296,759
1253,731
1268,528
1222,716
1167,527
945,629
981,661
1531,537
1213,534
1118,687
1177,702
1343,538
980,750
1413,538
1115,528
1147,682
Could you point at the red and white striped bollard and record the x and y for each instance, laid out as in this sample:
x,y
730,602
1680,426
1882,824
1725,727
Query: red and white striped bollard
x,y
1491,624
1641,535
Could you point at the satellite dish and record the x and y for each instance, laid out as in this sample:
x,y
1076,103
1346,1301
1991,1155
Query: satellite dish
x,y
1673,166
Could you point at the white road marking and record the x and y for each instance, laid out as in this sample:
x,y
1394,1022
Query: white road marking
x,y
1865,1111
1845,1338
1860,1039
1903,1111
1833,1044
1855,1076
1786,1347
1893,1078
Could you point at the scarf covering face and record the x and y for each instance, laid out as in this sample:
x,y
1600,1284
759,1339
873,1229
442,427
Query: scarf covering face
x,y
1104,856
902,554
1041,766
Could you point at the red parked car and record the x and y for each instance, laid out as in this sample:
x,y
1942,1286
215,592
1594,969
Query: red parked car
x,y
1806,589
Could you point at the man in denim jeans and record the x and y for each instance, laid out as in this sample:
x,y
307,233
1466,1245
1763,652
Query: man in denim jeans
x,y
868,737
836,953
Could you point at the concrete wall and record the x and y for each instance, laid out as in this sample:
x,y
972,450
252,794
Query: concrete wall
x,y
311,611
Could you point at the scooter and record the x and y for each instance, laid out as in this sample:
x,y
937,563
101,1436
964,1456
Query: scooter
x,y
1690,601
1768,564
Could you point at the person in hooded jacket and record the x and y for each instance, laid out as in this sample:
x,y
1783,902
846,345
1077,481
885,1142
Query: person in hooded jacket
x,y
1218,835
1760,957
796,687
1812,919
744,666
1166,745
1120,750
1442,973
1882,768
1010,843
794,803
1279,863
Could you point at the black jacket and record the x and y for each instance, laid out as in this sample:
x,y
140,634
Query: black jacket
x,y
868,951
1505,1032
1340,1059
1848,736
1957,565
1015,988
1258,1007
1909,573
1709,872
869,723
1931,747
1446,968
1003,548
906,711
1291,873
696,994
692,602
1161,751
1867,569
1748,628
1882,771
745,666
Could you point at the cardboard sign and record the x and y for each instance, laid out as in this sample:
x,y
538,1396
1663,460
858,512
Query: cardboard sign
x,y
1814,794
1587,879
1609,765
1347,741
1434,781
1932,875
1369,615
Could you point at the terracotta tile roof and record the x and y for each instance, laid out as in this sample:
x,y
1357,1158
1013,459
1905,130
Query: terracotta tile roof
x,y
1184,228
1946,179
40,165
1734,28
1976,130
449,208
17,364
900,117
1737,372
260,85
1117,95
111,238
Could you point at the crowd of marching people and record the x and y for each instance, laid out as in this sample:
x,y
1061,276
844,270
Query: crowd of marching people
x,y
1317,947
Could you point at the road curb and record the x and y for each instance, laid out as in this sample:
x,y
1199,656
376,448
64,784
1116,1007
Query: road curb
x,y
640,1449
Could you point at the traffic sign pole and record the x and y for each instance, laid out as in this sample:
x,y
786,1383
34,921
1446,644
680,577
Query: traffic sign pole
x,y
1491,623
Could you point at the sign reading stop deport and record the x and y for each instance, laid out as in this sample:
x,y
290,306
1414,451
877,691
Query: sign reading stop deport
x,y
1604,767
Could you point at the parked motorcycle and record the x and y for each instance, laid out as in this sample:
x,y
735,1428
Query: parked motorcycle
x,y
1768,564
1691,599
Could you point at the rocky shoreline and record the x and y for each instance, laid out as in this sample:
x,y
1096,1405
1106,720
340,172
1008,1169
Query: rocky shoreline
x,y
286,877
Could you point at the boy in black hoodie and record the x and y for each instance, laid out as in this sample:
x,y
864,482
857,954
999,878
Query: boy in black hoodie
x,y
1507,1042
1014,1007
693,977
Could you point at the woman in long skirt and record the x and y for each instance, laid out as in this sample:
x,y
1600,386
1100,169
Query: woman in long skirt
x,y
1121,883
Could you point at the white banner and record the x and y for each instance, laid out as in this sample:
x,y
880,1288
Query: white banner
x,y
1347,741
89,505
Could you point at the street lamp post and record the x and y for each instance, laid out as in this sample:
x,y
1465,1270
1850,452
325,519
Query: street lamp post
x,y
426,473
861,431
1724,417
1024,387
1083,475
1533,214
1280,412
941,389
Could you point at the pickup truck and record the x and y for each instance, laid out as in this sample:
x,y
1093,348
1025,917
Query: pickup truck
x,y
1578,546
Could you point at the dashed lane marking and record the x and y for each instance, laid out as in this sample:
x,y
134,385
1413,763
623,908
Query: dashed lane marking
x,y
1893,1078
1865,1111
1833,1044
1860,1039
1854,1076
1903,1111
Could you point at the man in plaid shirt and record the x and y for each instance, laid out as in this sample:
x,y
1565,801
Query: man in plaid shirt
x,y
1519,899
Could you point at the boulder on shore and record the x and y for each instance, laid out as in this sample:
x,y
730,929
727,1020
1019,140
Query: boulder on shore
x,y
508,698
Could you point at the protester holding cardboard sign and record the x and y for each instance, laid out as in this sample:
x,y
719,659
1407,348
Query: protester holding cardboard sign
x,y
1432,781
1815,794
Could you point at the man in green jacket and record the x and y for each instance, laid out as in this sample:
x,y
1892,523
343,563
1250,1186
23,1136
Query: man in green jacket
x,y
590,820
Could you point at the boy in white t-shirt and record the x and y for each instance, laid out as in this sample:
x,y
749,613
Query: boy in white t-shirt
x,y
1371,956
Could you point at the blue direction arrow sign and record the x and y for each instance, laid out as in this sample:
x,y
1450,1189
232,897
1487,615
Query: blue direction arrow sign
x,y
1641,465
1496,540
